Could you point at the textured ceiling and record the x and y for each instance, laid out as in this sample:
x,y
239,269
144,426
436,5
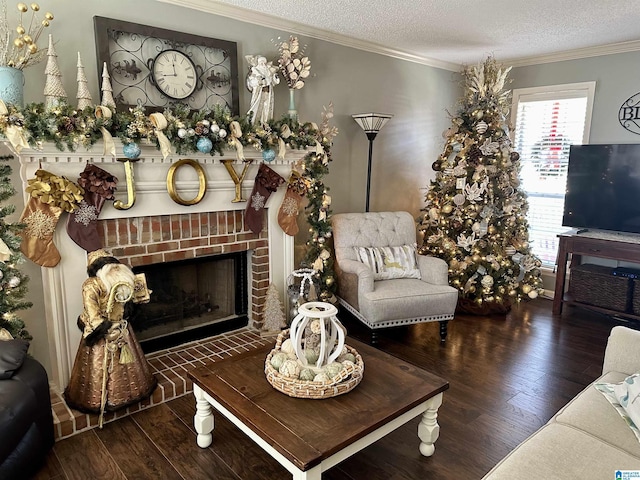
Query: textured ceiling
x,y
454,32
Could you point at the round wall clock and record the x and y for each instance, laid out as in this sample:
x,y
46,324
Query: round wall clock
x,y
174,74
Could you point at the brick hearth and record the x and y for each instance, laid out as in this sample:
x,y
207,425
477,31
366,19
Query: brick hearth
x,y
170,367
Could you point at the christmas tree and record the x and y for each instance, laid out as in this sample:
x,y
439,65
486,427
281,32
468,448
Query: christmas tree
x,y
475,217
13,284
273,312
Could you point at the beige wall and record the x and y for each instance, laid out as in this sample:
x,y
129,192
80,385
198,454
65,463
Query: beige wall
x,y
356,81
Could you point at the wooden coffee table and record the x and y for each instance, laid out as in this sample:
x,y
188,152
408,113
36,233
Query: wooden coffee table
x,y
307,436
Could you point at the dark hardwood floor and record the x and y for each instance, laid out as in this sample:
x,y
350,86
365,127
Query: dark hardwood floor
x,y
508,376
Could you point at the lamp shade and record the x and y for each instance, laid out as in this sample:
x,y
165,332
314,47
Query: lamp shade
x,y
371,122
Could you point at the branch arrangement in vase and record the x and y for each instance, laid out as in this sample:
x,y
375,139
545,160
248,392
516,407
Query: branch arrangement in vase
x,y
18,48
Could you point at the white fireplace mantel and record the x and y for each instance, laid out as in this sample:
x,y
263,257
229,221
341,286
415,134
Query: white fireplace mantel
x,y
62,284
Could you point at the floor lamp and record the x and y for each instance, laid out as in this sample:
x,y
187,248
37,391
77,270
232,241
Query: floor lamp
x,y
371,123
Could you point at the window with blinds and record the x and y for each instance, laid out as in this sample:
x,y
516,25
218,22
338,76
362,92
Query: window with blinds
x,y
548,120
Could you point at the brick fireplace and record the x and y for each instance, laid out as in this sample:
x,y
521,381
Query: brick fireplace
x,y
156,229
140,241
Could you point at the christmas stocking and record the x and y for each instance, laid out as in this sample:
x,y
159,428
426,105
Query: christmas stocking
x,y
50,195
82,225
288,214
267,182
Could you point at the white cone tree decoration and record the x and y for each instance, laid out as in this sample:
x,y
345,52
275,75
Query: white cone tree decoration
x,y
107,90
53,90
83,96
273,313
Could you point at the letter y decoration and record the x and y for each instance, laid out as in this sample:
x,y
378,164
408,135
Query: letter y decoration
x,y
131,188
237,180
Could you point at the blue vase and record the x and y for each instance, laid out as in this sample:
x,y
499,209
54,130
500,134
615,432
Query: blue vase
x,y
131,150
268,155
12,86
204,145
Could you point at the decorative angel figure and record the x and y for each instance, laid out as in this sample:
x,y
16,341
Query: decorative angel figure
x,y
262,78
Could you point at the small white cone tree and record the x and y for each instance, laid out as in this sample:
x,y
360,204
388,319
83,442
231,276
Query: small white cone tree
x,y
54,92
107,90
83,96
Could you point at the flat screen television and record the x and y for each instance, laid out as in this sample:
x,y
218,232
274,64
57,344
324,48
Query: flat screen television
x,y
603,188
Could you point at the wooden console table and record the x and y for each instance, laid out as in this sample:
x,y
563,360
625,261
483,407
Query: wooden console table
x,y
578,245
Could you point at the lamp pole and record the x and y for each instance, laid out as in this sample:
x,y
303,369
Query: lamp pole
x,y
371,123
371,136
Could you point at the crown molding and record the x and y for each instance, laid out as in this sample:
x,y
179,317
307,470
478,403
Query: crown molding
x,y
271,21
611,49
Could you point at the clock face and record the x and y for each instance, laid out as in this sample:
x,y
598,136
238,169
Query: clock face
x,y
174,74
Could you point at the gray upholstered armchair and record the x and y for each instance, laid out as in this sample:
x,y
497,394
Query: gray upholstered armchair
x,y
423,297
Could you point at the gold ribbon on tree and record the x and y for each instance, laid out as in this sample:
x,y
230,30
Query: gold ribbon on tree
x,y
107,139
236,135
14,133
285,132
319,263
159,123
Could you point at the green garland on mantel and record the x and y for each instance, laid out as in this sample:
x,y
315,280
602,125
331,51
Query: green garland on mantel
x,y
69,128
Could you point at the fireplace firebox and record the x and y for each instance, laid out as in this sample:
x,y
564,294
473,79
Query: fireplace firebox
x,y
191,299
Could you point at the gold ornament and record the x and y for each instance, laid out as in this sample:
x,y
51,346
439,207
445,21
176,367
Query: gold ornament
x,y
447,209
18,42
35,7
526,289
475,258
20,29
48,16
22,8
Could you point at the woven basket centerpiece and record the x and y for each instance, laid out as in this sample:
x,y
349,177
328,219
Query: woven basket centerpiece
x,y
311,359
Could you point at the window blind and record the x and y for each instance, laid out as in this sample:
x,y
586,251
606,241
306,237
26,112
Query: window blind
x,y
547,123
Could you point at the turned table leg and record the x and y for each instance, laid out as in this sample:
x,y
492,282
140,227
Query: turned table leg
x,y
428,428
203,419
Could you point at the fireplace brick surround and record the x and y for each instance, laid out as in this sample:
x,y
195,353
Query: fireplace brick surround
x,y
140,241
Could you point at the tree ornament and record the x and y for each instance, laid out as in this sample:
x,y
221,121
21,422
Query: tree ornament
x,y
204,145
481,127
131,150
268,155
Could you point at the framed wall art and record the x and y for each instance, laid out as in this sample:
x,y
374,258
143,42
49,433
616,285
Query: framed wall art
x,y
158,68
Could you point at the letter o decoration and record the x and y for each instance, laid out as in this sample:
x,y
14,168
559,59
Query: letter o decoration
x,y
171,182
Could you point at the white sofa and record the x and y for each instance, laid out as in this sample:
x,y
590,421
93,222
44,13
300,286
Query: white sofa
x,y
586,439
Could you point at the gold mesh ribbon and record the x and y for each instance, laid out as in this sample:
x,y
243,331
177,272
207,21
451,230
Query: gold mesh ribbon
x,y
14,133
159,123
107,139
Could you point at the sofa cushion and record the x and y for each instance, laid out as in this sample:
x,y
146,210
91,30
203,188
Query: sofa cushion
x,y
591,411
562,451
12,353
18,408
624,397
390,262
